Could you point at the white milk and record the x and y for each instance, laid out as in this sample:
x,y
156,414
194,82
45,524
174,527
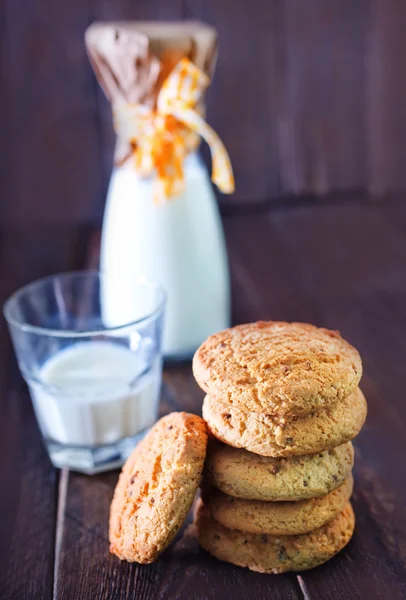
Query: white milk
x,y
180,244
96,393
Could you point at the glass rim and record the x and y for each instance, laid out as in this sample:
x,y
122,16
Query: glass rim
x,y
68,333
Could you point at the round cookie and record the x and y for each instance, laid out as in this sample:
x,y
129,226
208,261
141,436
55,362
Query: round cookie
x,y
243,474
277,518
277,368
274,554
264,435
156,487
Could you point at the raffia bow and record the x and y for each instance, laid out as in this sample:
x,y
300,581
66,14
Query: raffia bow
x,y
161,138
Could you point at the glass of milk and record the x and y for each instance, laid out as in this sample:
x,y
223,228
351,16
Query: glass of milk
x,y
94,380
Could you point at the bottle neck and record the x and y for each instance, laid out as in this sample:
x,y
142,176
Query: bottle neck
x,y
193,161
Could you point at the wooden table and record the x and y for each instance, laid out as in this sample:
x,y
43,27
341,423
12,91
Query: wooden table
x,y
339,263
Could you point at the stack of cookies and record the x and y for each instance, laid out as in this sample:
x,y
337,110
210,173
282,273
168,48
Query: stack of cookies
x,y
282,405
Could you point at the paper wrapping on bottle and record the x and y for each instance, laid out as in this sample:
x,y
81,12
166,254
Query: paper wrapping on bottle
x,y
131,59
155,75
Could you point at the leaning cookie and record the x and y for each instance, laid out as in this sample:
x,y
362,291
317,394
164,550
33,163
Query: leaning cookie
x,y
277,518
277,368
156,487
274,554
262,434
243,474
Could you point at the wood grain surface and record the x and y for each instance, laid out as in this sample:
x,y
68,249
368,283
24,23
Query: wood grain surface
x,y
309,98
339,263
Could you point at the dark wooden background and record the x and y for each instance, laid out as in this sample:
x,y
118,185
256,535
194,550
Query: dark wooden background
x,y
309,97
341,264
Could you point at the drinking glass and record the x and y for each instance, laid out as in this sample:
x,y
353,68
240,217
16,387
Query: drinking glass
x,y
94,377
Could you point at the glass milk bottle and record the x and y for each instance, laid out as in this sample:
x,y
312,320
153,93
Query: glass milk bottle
x,y
161,217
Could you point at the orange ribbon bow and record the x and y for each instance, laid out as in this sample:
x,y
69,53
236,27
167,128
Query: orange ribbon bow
x,y
162,137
